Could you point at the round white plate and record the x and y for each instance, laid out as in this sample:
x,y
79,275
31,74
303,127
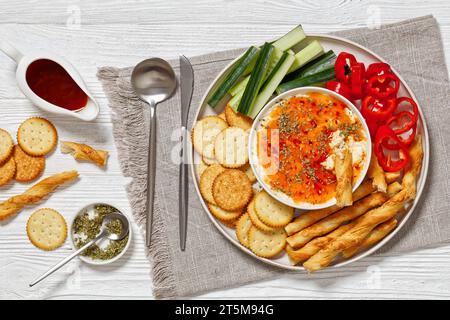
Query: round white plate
x,y
362,54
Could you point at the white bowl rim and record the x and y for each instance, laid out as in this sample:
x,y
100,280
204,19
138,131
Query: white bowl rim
x,y
252,145
100,262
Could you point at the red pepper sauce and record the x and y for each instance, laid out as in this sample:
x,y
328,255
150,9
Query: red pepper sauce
x,y
51,82
305,125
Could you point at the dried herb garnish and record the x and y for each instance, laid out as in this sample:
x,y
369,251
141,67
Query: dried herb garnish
x,y
89,226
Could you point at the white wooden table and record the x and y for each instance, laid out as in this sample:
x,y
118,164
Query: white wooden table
x,y
121,33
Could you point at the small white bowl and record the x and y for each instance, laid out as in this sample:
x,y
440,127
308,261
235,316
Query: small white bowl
x,y
99,262
254,161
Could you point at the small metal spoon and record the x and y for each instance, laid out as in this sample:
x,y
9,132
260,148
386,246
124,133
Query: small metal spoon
x,y
104,232
154,81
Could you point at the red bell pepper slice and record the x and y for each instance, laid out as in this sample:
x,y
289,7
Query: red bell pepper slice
x,y
377,69
401,126
357,81
384,86
383,135
376,109
340,88
413,104
342,67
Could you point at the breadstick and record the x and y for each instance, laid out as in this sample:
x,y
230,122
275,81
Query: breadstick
x,y
344,176
392,176
34,194
376,173
309,249
374,236
84,152
371,219
333,221
308,218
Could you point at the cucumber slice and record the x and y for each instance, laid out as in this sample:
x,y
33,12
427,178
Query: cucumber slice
x,y
310,52
234,102
237,71
256,79
240,86
272,83
320,77
290,39
276,56
321,63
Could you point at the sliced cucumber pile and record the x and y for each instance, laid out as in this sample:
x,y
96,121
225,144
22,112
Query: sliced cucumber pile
x,y
274,67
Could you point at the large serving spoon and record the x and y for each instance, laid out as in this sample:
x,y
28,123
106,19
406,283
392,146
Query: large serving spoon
x,y
154,81
104,233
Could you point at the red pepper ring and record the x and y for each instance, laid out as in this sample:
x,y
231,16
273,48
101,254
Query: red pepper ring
x,y
340,88
376,109
377,69
402,127
381,86
413,104
357,80
406,142
385,133
342,66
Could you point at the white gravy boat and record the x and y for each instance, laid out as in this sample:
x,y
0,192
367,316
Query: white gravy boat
x,y
87,113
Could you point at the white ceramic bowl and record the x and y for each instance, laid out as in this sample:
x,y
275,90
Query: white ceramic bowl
x,y
254,161
95,261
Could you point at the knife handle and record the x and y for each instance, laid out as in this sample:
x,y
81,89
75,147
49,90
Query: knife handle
x,y
151,165
183,189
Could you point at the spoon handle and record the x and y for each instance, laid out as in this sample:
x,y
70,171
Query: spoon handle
x,y
65,260
151,172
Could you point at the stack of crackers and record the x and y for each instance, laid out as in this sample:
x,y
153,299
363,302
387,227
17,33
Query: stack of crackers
x,y
24,162
226,180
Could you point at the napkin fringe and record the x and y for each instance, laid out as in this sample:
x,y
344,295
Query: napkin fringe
x,y
128,120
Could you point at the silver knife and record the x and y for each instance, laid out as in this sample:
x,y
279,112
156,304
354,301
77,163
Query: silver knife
x,y
187,87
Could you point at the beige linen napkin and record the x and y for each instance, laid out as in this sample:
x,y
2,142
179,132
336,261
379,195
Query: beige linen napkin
x,y
413,47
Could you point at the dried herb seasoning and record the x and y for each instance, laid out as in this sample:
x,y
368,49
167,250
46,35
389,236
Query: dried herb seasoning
x,y
89,224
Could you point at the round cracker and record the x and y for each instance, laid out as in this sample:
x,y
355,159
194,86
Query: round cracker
x,y
7,171
230,147
255,219
237,119
37,136
210,159
47,229
249,172
266,244
204,134
223,215
232,190
271,211
28,167
207,180
6,146
243,225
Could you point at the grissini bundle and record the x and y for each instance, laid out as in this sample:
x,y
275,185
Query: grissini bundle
x,y
309,218
336,219
374,236
371,219
376,173
344,177
35,193
304,253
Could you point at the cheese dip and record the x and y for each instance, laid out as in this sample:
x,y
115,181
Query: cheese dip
x,y
303,135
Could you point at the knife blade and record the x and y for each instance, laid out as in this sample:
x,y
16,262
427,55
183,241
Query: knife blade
x,y
187,88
